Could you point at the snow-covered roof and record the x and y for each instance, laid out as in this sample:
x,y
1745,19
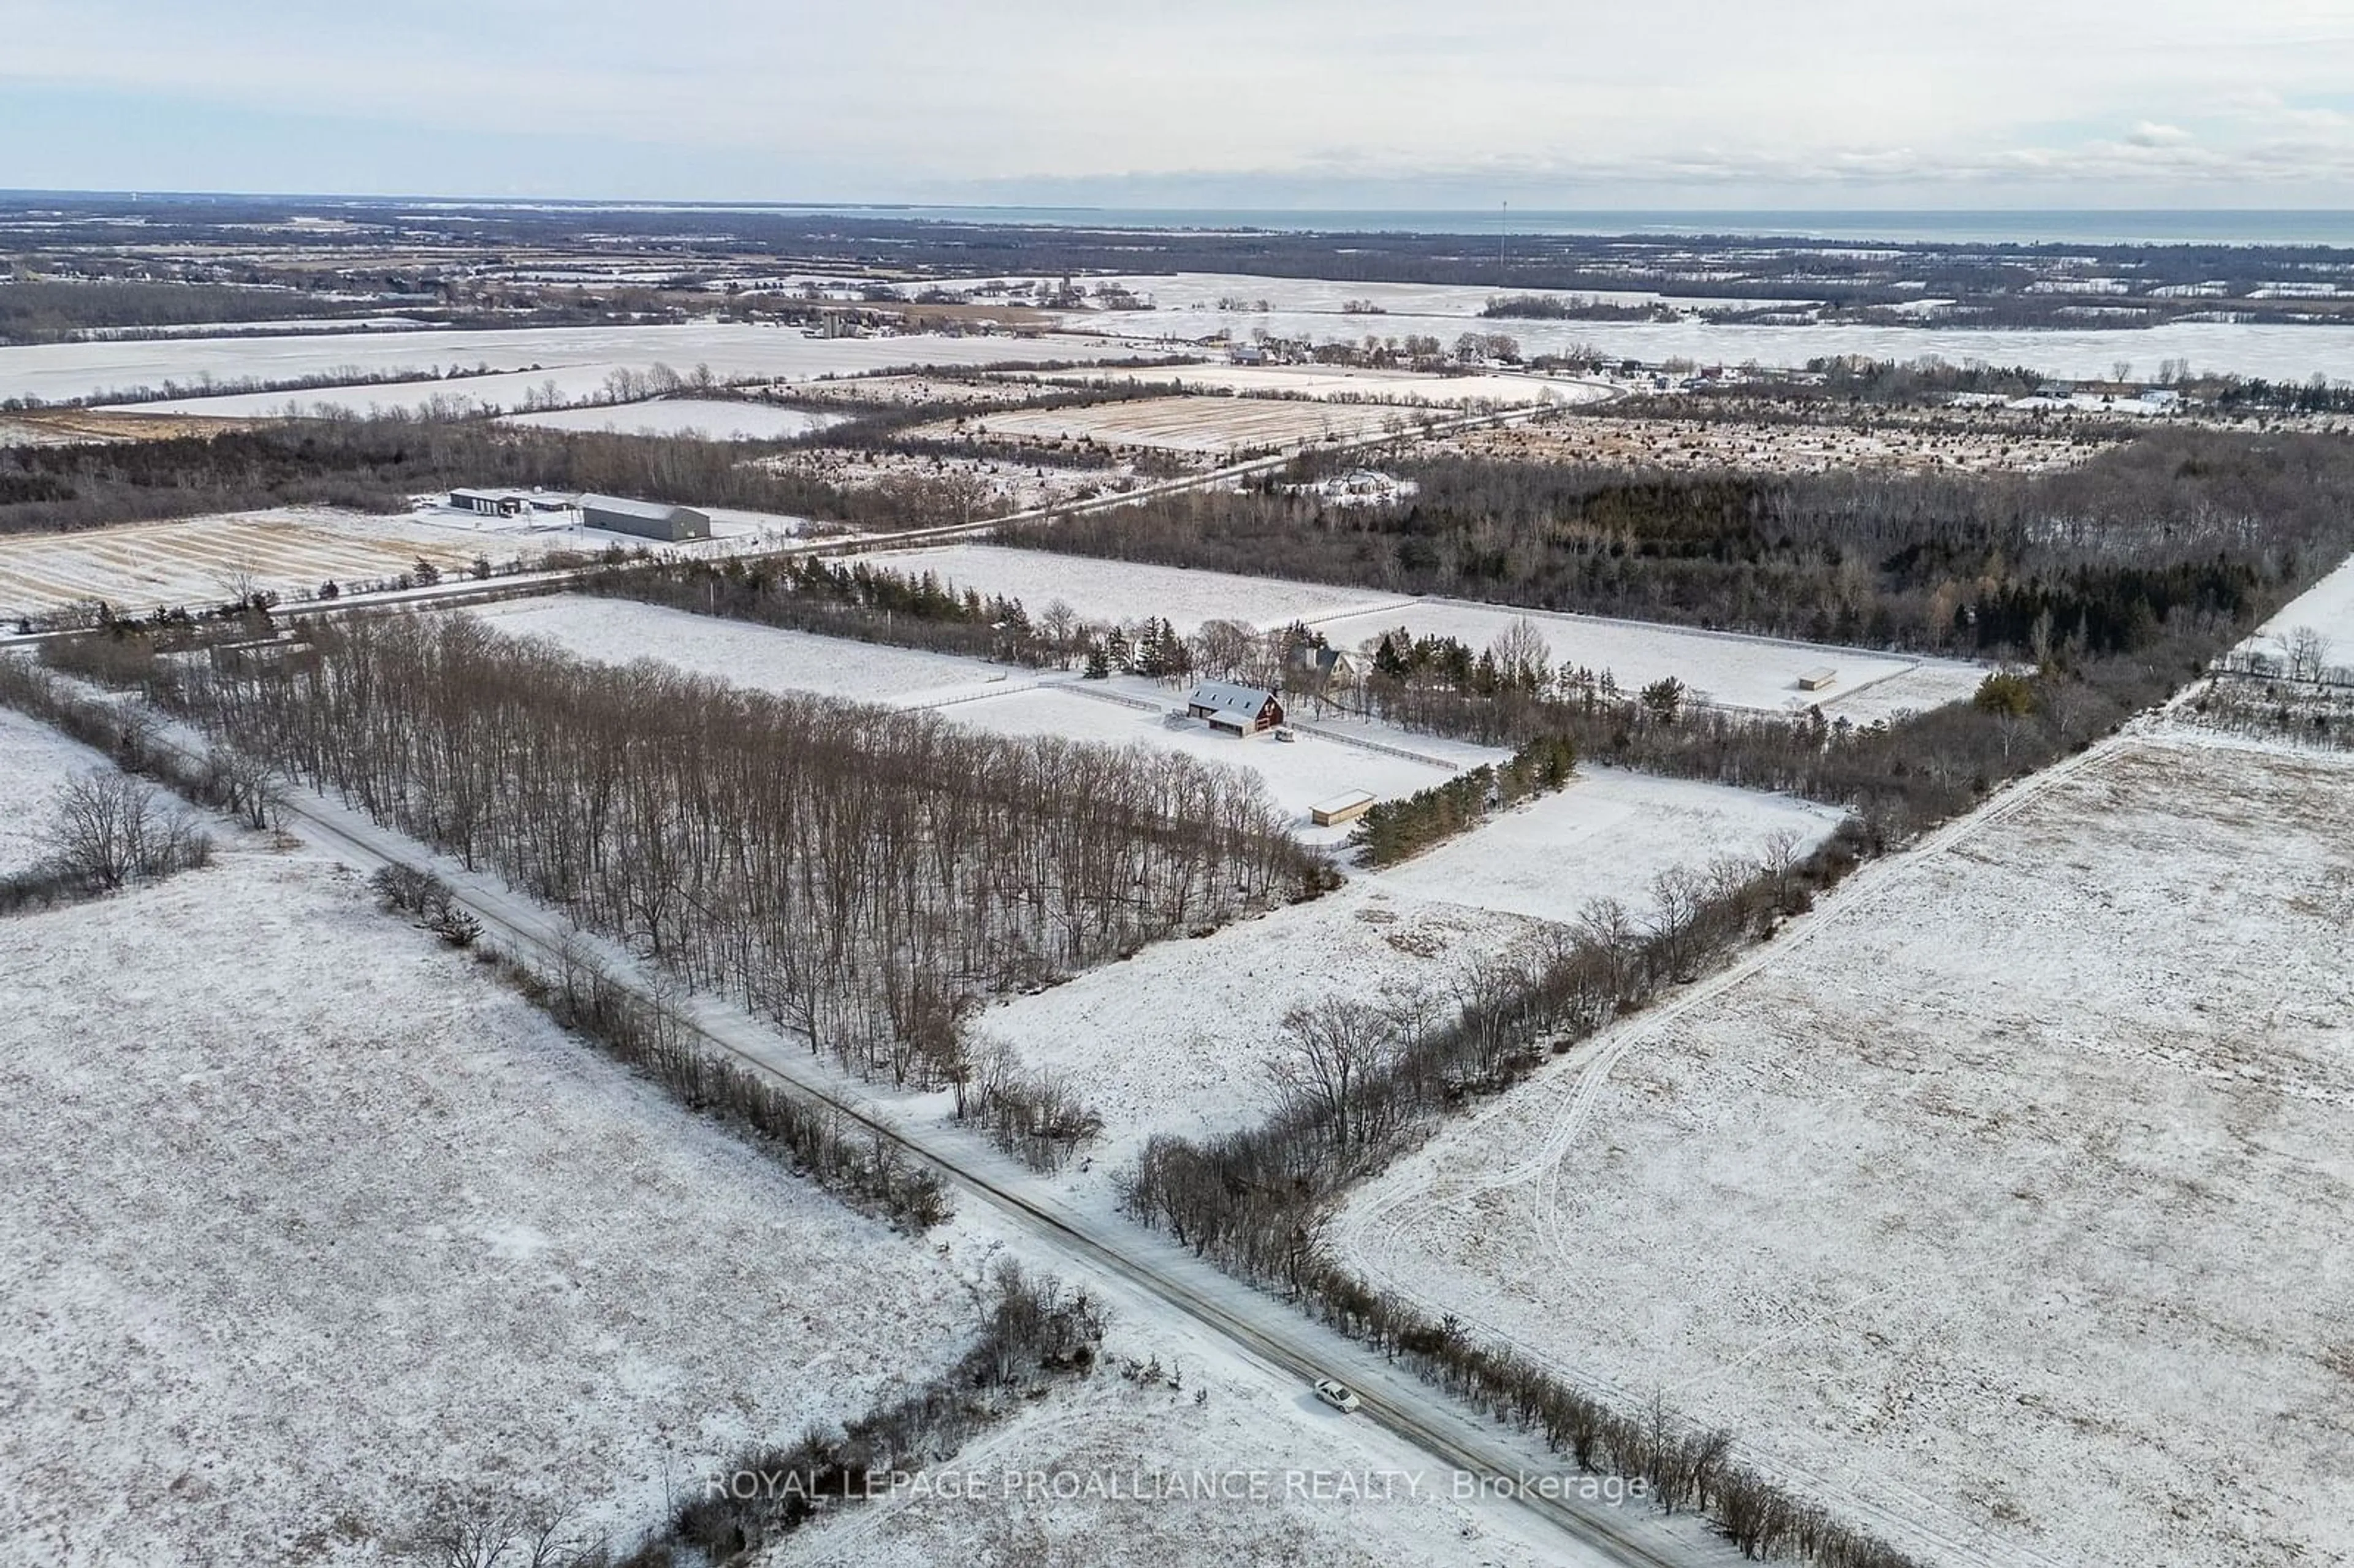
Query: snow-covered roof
x,y
653,511
1225,697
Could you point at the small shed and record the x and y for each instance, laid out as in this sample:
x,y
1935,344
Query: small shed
x,y
1345,806
1237,709
647,519
1818,678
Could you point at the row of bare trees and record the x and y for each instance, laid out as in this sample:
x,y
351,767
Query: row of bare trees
x,y
860,875
1359,1081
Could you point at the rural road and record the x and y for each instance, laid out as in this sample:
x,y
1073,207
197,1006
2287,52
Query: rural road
x,y
1082,1246
458,591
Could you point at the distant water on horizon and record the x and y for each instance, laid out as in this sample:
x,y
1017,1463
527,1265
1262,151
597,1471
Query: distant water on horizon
x,y
2022,227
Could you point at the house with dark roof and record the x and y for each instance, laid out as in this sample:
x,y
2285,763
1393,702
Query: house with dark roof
x,y
1237,710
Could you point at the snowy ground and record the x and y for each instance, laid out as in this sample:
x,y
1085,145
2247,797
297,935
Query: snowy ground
x,y
139,566
1177,1039
715,417
308,1217
35,762
1301,1484
577,360
1127,591
1754,673
2327,607
1222,427
1336,383
1725,668
1314,767
618,632
1998,1201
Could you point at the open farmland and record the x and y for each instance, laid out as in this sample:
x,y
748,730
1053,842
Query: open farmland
x,y
1222,427
579,360
139,566
35,762
1733,670
619,631
717,418
1999,1198
1409,389
1128,591
1178,1039
309,1219
1730,669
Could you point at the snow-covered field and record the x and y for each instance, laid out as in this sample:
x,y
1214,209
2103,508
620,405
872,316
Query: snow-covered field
x,y
719,418
2327,607
2276,351
308,1217
1177,1039
139,566
1606,835
1999,1203
1725,668
619,631
578,359
1216,426
35,762
1339,383
1733,669
1128,590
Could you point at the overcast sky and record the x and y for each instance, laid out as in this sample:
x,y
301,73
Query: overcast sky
x,y
1451,104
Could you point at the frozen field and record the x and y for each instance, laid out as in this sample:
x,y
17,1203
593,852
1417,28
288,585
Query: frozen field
x,y
1606,835
2327,607
139,566
2276,351
1735,671
1181,294
619,631
1998,1201
1344,384
719,418
578,359
1725,668
310,1218
1177,1038
1222,427
35,762
1128,590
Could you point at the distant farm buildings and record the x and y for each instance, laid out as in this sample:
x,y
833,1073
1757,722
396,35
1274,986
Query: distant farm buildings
x,y
647,519
1237,710
613,513
510,503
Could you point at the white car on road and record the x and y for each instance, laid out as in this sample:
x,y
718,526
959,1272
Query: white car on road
x,y
1339,1395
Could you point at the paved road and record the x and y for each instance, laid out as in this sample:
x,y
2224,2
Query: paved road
x,y
1084,1245
458,590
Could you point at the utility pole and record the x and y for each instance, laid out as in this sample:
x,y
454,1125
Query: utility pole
x,y
1503,235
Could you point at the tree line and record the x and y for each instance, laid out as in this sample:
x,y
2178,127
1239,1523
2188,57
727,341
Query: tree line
x,y
1360,1083
2185,529
1392,831
863,878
